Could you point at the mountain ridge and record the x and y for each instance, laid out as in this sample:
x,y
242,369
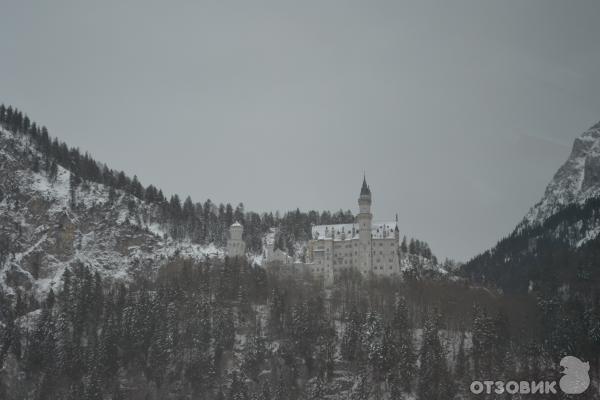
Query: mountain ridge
x,y
576,181
555,243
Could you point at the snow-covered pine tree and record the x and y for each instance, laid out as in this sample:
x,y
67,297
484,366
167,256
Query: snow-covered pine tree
x,y
435,381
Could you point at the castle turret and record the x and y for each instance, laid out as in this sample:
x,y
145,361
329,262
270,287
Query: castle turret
x,y
365,222
235,244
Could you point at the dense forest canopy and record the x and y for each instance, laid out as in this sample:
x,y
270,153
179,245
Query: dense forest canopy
x,y
230,330
545,254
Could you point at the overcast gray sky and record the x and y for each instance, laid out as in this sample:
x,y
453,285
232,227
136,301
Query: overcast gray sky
x,y
459,111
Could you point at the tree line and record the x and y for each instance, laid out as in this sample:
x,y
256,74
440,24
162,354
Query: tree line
x,y
205,222
229,330
201,222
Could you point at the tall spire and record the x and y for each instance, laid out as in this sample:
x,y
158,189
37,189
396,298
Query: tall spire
x,y
364,190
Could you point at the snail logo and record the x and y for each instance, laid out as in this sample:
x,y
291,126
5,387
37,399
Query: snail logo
x,y
576,378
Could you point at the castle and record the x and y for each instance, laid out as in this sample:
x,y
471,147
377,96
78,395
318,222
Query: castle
x,y
236,247
364,245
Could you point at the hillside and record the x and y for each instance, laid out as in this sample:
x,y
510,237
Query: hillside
x,y
60,208
49,222
557,242
189,323
144,305
575,182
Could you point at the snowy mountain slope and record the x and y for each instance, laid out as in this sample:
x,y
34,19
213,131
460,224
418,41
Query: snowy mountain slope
x,y
51,220
576,181
557,240
47,226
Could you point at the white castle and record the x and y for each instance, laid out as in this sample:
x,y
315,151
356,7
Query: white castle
x,y
364,245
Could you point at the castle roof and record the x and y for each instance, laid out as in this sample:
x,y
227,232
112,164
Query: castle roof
x,y
379,230
236,224
365,190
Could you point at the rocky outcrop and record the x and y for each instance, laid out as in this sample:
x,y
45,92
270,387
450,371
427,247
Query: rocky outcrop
x,y
47,226
576,181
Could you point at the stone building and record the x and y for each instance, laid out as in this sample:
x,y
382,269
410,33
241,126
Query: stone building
x,y
364,245
236,247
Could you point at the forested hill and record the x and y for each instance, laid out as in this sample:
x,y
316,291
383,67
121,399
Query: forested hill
x,y
61,208
202,223
557,244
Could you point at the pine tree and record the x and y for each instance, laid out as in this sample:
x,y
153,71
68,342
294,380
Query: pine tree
x,y
412,247
53,172
237,390
224,329
351,340
372,345
74,182
434,378
76,391
462,367
484,342
158,355
362,388
93,387
300,332
277,307
265,392
117,394
112,194
316,390
254,355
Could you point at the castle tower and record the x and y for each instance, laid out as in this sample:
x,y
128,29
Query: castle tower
x,y
236,247
365,222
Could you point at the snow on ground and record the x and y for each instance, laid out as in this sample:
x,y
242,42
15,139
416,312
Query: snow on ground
x,y
256,259
57,192
576,181
115,238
